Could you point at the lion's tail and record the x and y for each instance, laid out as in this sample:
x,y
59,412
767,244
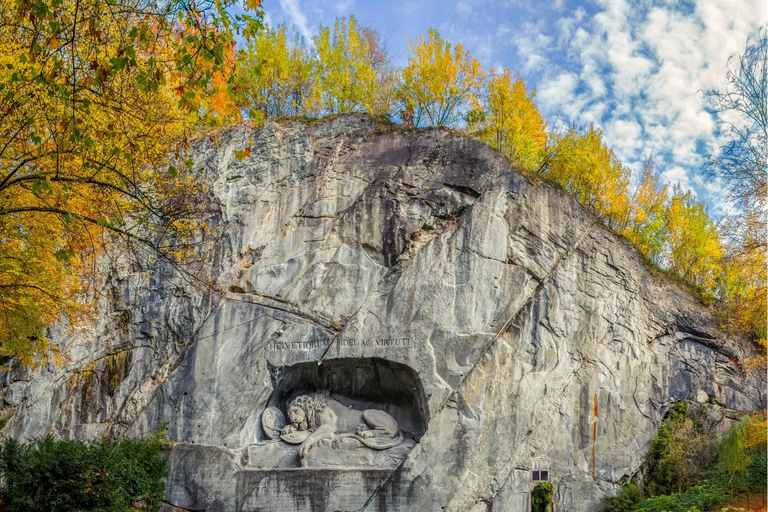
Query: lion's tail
x,y
376,446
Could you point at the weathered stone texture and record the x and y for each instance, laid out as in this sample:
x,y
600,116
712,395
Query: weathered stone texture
x,y
492,317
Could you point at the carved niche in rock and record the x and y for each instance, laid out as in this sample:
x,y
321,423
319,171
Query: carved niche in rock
x,y
313,418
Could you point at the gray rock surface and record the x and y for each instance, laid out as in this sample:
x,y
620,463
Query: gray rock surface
x,y
412,272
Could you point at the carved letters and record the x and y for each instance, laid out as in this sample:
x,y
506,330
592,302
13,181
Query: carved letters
x,y
278,345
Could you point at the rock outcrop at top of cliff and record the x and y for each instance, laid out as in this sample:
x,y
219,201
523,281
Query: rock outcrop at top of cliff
x,y
476,326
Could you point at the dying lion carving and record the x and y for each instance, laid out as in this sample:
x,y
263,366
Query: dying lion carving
x,y
312,418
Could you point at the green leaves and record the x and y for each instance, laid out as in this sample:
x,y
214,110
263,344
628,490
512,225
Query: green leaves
x,y
41,185
50,474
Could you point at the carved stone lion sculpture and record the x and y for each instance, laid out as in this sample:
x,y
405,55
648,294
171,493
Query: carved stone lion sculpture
x,y
312,418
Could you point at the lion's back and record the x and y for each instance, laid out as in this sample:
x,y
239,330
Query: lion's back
x,y
347,418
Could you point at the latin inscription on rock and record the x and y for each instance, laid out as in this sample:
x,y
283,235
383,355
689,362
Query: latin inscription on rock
x,y
277,345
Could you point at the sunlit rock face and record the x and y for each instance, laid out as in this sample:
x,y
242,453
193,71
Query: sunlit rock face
x,y
449,321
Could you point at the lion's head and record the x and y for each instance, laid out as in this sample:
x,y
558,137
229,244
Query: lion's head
x,y
304,411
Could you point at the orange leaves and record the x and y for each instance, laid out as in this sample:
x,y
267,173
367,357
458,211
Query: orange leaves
x,y
243,154
88,125
756,433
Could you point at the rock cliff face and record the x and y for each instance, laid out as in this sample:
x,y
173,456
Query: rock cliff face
x,y
409,274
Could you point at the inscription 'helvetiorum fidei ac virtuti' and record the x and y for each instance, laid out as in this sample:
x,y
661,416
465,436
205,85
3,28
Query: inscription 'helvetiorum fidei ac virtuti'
x,y
278,345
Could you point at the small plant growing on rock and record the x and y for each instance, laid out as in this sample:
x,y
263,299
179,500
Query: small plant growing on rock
x,y
542,497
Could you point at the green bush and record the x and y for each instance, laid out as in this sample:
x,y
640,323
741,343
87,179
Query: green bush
x,y
736,457
699,497
541,497
63,476
681,455
756,473
626,501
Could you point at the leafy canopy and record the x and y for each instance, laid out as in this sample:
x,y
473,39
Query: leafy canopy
x,y
93,95
509,120
438,83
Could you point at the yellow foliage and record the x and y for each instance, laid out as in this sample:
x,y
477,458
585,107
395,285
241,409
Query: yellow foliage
x,y
437,84
647,227
694,246
510,121
346,76
584,167
93,97
756,433
276,78
742,288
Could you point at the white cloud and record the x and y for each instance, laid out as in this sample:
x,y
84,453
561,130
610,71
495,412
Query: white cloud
x,y
551,93
297,16
343,6
567,25
532,46
535,62
640,70
464,7
677,176
625,136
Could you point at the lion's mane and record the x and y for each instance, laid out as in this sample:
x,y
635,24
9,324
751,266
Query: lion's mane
x,y
313,405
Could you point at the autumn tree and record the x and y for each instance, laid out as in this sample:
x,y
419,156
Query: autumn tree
x,y
346,76
742,108
276,76
647,228
509,121
219,107
386,75
743,441
742,290
586,168
679,454
93,95
742,105
694,245
438,84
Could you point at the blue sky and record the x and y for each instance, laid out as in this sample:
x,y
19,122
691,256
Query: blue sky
x,y
636,69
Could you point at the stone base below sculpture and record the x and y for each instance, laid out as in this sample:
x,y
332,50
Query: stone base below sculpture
x,y
307,490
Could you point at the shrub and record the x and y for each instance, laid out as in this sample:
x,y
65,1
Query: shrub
x,y
756,479
679,454
736,453
626,501
541,497
63,476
